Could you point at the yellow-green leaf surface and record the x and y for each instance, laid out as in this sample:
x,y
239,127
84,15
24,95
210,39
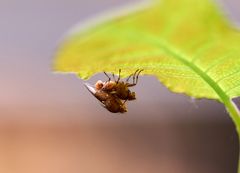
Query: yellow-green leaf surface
x,y
187,44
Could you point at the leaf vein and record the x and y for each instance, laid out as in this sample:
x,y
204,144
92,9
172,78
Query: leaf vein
x,y
183,59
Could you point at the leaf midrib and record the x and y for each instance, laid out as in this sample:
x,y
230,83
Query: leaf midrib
x,y
183,59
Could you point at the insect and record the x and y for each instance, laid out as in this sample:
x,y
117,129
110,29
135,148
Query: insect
x,y
113,94
110,102
120,88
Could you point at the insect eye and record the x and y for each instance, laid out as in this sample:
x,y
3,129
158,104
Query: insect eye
x,y
99,85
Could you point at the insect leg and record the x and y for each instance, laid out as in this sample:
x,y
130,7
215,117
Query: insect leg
x,y
126,98
138,75
113,75
130,84
129,78
134,75
107,76
119,72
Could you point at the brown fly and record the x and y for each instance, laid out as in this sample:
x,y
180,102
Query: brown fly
x,y
121,88
110,102
114,93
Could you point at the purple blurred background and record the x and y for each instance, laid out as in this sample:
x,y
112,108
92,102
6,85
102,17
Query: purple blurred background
x,y
50,123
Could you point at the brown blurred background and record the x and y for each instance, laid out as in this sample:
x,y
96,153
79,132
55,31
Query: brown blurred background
x,y
50,123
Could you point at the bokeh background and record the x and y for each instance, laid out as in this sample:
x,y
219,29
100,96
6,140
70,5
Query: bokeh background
x,y
50,123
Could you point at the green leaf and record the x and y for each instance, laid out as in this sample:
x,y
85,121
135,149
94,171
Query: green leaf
x,y
187,44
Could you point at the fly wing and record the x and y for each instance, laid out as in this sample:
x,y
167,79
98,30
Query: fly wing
x,y
90,88
99,94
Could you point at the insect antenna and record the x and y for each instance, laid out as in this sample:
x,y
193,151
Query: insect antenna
x,y
107,76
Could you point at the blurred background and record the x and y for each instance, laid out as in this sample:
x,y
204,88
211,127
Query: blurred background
x,y
50,123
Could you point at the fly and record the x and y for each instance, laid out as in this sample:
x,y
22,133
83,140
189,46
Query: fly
x,y
113,94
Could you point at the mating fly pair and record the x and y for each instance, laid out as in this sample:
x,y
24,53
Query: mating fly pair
x,y
113,94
